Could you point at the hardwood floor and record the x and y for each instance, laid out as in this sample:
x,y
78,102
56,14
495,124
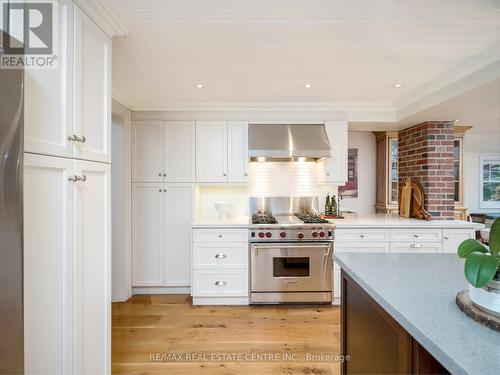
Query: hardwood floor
x,y
245,339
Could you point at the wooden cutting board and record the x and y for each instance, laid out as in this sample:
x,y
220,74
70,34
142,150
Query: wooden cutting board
x,y
405,199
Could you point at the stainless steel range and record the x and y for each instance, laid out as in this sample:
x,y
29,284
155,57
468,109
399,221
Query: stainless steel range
x,y
290,252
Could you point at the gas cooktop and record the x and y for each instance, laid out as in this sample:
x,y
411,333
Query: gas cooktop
x,y
298,218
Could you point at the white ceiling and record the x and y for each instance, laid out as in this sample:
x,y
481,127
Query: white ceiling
x,y
261,52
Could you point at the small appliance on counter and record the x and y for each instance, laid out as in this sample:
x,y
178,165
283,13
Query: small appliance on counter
x,y
291,250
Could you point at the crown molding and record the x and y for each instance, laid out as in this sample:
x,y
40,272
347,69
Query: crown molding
x,y
472,73
103,17
117,97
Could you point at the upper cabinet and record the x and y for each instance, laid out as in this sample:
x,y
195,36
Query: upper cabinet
x,y
48,99
147,151
237,143
68,109
179,151
211,151
334,169
163,151
92,89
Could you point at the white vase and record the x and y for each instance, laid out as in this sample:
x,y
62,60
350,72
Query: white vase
x,y
487,298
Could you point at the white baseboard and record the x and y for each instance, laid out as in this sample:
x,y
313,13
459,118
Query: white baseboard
x,y
207,301
162,290
336,301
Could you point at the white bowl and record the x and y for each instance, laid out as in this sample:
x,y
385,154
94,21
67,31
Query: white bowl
x,y
224,209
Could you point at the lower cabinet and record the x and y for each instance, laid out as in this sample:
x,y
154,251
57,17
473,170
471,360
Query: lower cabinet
x,y
161,234
67,268
452,238
220,267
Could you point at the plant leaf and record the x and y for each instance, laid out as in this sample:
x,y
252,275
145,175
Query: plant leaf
x,y
494,240
469,246
480,268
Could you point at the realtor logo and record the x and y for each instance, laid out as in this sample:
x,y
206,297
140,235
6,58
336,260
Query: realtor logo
x,y
28,35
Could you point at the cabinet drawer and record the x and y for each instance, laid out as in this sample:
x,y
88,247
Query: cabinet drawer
x,y
361,247
361,235
220,284
220,235
220,255
416,247
417,235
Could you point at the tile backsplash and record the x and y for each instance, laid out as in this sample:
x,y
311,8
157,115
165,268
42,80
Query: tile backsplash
x,y
281,179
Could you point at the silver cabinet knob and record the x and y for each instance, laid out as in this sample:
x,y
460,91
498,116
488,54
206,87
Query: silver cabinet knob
x,y
416,245
159,174
73,178
224,174
164,175
328,174
446,238
81,139
82,178
220,256
220,283
362,235
415,235
164,190
159,190
220,235
72,138
246,174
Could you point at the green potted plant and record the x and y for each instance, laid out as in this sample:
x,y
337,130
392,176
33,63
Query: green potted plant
x,y
482,270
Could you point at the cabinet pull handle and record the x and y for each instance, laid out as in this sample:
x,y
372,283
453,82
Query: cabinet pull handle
x,y
81,178
446,237
415,235
73,178
220,256
328,174
164,190
362,235
72,138
220,283
159,174
224,174
164,175
81,139
220,235
159,190
246,174
416,245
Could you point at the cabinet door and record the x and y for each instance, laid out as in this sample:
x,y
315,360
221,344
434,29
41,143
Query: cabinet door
x,y
48,265
452,238
147,234
237,151
92,90
354,247
416,247
211,151
179,151
48,99
147,151
92,268
335,167
178,217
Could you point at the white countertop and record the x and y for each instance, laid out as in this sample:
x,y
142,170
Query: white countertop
x,y
418,291
350,221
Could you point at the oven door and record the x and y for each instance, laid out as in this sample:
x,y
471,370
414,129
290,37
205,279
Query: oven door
x,y
291,267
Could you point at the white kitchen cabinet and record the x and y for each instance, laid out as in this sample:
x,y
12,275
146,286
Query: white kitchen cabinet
x,y
237,132
452,238
48,264
92,69
362,235
416,247
147,151
92,278
147,234
161,234
67,269
416,235
211,151
334,169
179,151
48,96
178,216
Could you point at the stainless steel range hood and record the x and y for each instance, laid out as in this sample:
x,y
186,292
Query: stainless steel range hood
x,y
288,142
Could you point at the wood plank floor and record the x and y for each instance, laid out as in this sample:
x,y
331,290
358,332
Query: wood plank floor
x,y
189,339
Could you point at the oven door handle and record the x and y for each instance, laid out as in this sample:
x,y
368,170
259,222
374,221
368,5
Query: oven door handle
x,y
283,246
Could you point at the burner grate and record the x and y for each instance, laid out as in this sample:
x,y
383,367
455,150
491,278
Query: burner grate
x,y
310,218
263,219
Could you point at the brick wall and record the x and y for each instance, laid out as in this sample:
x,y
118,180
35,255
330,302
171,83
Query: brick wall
x,y
426,153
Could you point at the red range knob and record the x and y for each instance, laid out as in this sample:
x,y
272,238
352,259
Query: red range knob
x,y
269,234
300,235
283,234
314,234
322,234
261,234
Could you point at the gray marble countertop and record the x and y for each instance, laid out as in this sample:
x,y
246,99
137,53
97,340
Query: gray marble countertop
x,y
418,291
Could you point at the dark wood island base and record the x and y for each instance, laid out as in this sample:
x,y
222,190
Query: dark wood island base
x,y
375,342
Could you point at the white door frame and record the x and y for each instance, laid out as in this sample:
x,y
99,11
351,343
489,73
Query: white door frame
x,y
118,110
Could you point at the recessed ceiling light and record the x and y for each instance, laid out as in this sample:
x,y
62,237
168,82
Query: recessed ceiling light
x,y
307,85
199,86
397,85
457,120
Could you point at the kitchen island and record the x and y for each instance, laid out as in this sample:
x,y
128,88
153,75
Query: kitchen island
x,y
399,315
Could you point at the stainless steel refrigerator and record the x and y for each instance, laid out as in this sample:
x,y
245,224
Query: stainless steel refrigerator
x,y
11,221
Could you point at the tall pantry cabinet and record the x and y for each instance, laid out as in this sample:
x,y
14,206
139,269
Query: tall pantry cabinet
x,y
67,226
163,176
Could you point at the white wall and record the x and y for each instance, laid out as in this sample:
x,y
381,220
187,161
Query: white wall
x,y
474,145
120,203
364,141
